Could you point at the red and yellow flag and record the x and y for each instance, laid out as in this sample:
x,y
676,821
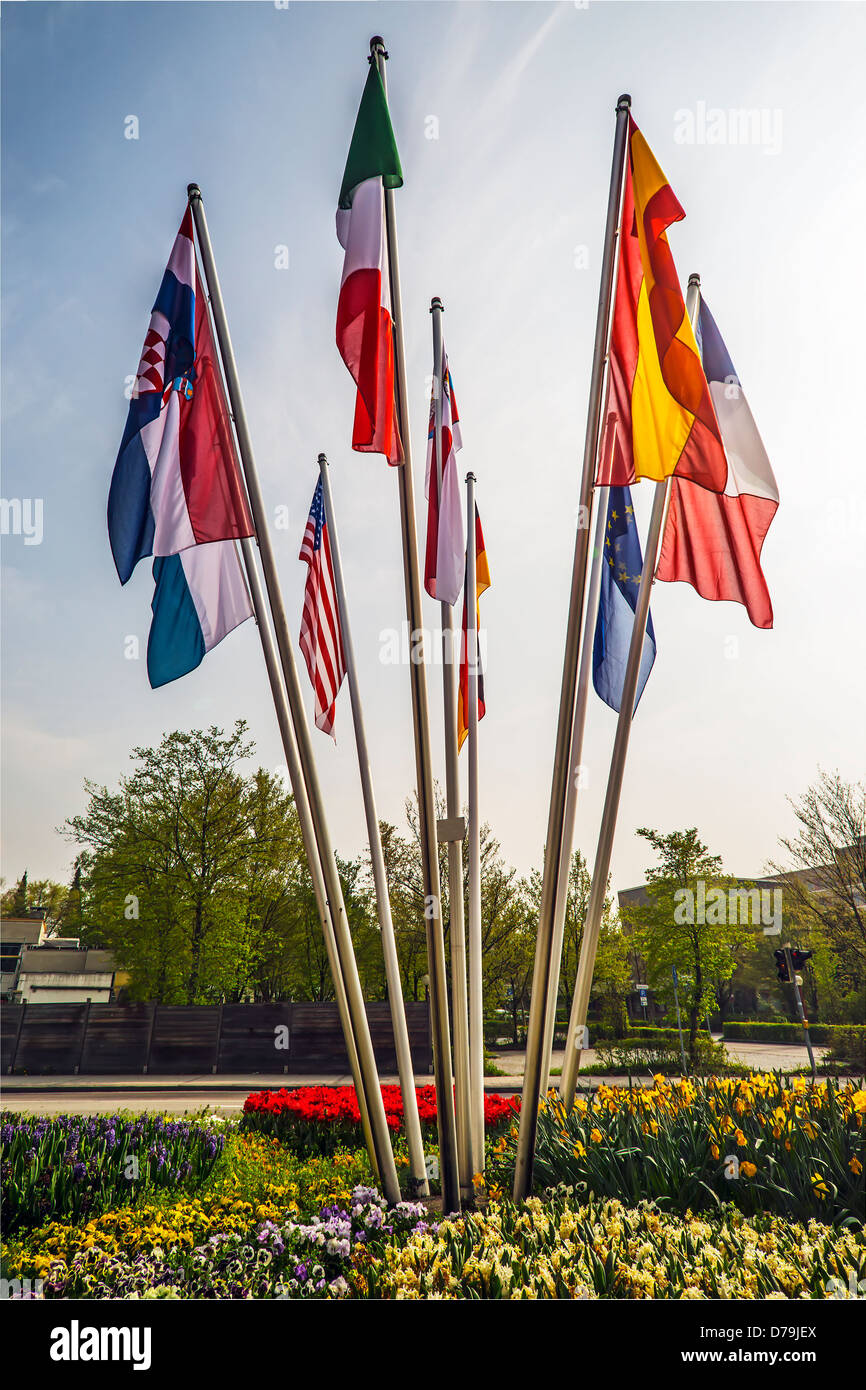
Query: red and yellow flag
x,y
482,582
659,419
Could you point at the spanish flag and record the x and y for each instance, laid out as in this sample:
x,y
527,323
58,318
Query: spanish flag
x,y
482,582
659,418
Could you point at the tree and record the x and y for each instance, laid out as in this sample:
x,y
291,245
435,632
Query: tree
x,y
180,868
611,973
30,895
824,878
683,924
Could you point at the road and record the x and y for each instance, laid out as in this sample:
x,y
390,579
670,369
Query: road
x,y
93,1095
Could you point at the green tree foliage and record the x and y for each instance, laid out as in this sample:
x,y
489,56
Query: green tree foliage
x,y
190,871
28,895
611,977
667,934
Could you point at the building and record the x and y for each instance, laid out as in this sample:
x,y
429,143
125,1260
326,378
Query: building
x,y
42,969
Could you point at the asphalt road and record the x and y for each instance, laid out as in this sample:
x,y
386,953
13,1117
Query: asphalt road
x,y
180,1095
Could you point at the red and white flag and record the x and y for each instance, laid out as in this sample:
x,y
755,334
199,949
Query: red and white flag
x,y
321,636
446,541
713,541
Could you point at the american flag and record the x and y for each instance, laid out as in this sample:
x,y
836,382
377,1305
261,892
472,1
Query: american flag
x,y
321,637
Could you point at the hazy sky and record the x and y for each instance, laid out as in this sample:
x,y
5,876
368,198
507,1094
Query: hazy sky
x,y
256,103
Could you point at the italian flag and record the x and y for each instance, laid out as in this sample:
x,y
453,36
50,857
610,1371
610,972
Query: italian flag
x,y
365,324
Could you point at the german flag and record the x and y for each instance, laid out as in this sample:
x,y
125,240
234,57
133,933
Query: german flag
x,y
482,582
659,418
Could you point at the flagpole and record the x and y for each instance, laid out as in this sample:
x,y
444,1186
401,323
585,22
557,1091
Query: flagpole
x,y
534,1064
476,999
574,782
423,760
453,829
302,805
363,1042
601,870
380,878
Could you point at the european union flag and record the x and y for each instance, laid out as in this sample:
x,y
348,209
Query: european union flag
x,y
620,581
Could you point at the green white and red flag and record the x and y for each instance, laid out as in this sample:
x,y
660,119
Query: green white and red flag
x,y
365,323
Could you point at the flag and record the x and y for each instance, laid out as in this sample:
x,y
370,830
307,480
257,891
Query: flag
x,y
175,481
659,418
200,595
482,582
446,542
620,581
365,323
321,635
713,541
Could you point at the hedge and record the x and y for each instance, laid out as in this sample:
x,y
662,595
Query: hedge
x,y
774,1032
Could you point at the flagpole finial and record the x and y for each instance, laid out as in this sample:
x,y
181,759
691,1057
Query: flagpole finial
x,y
377,45
193,191
624,102
695,279
471,478
436,303
323,458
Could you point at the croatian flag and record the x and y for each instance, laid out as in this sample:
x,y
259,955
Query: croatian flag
x,y
713,541
173,485
175,492
620,582
446,543
199,596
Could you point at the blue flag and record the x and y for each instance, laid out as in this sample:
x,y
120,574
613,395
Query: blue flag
x,y
620,581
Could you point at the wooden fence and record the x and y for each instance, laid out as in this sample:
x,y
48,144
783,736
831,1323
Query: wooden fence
x,y
167,1039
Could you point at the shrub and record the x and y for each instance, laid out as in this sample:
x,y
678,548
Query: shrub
x,y
848,1045
642,1057
775,1032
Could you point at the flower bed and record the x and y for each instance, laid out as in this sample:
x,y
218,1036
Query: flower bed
x,y
71,1166
561,1248
323,1119
269,1259
796,1149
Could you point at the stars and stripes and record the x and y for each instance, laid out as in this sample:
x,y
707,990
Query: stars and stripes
x,y
321,638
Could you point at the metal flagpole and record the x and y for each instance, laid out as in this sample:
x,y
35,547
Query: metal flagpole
x,y
377,858
534,1065
476,1001
575,773
423,760
302,807
453,829
349,965
598,889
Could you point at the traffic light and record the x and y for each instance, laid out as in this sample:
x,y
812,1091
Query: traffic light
x,y
782,966
799,958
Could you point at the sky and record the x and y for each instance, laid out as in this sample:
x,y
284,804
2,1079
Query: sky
x,y
504,117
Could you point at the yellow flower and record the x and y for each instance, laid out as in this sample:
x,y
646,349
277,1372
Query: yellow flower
x,y
747,1169
741,1139
596,1136
856,1166
819,1186
714,1150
